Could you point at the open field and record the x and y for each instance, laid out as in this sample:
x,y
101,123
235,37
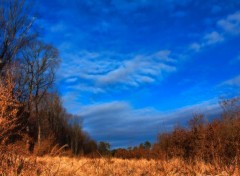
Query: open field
x,y
64,166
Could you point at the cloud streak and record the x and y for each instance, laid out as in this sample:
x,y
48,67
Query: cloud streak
x,y
208,40
102,70
119,123
235,82
231,24
139,70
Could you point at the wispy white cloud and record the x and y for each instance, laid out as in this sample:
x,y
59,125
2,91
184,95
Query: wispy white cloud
x,y
100,70
86,64
228,25
70,101
141,69
86,88
212,38
71,80
232,82
231,24
207,40
195,46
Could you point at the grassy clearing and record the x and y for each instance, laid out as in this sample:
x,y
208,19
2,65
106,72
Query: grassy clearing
x,y
64,166
16,165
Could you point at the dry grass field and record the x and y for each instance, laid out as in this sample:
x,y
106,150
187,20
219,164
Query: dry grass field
x,y
65,166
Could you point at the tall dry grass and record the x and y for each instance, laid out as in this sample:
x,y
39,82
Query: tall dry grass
x,y
12,164
64,166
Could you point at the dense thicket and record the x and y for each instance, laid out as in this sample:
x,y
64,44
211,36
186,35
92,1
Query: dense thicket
x,y
216,142
31,112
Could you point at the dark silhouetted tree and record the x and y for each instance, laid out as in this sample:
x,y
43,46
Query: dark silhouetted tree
x,y
15,30
104,148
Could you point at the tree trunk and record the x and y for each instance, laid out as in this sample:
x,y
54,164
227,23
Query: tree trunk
x,y
38,122
39,134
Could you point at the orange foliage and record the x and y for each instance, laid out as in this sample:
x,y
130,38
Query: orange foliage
x,y
8,107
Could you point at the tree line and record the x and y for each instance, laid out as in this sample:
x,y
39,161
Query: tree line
x,y
31,109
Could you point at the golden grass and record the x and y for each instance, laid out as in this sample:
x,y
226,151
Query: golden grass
x,y
64,166
17,165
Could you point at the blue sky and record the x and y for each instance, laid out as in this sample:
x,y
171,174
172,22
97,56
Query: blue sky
x,y
134,68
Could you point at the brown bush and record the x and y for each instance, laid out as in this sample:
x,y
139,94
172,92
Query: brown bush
x,y
217,142
8,109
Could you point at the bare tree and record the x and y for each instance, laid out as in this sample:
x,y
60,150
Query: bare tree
x,y
231,108
15,29
38,68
